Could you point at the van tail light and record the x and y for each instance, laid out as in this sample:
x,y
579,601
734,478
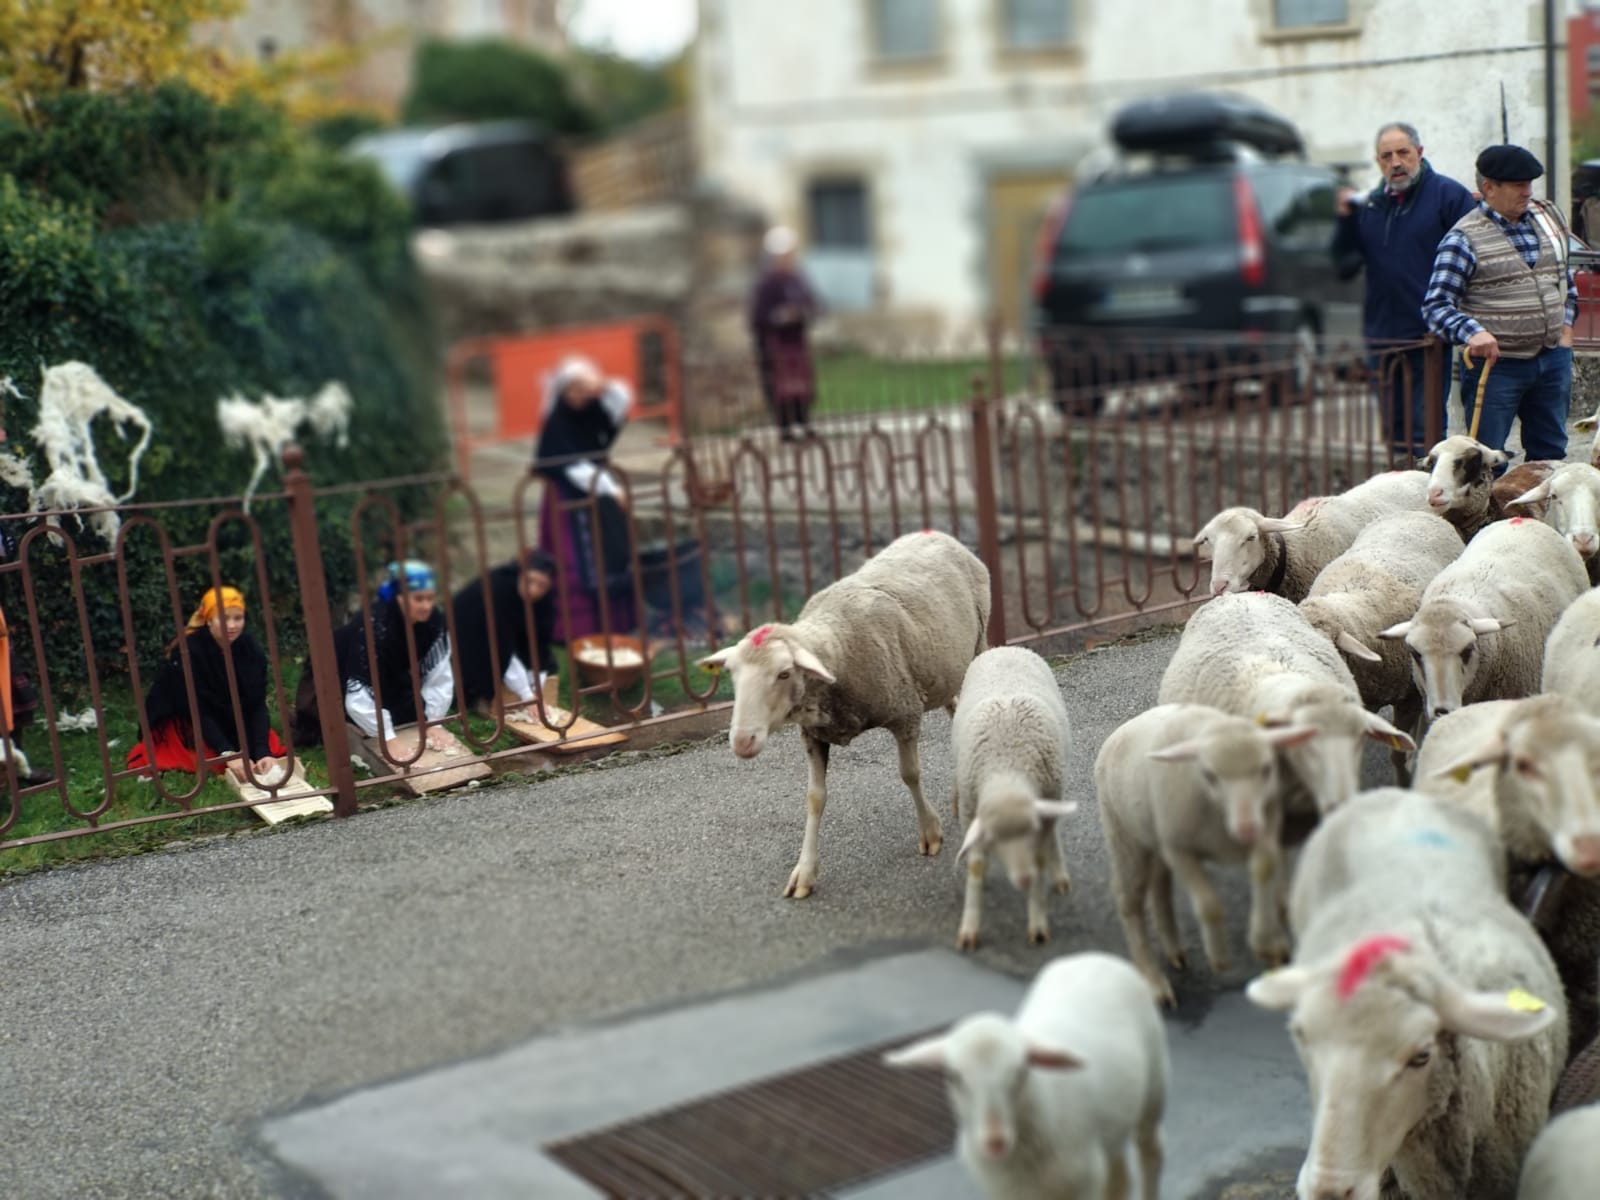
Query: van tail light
x,y
1044,249
1252,249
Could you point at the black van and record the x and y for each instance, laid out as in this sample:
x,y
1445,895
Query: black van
x,y
471,173
1211,232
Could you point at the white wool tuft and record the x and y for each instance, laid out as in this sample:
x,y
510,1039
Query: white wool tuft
x,y
268,426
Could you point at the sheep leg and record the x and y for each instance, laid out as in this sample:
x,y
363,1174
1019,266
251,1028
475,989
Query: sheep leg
x,y
1207,907
1150,1159
1053,861
930,834
1166,918
972,909
1118,1185
1038,912
1269,941
804,876
1130,881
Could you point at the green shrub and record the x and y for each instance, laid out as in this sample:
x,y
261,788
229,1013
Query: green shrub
x,y
491,80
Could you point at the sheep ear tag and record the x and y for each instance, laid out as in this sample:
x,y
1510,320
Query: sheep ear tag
x,y
1393,742
1461,774
1518,1000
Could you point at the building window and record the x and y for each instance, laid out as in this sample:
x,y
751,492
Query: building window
x,y
1307,14
1036,24
267,49
839,256
837,209
904,30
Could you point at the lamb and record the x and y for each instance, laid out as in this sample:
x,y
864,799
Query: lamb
x,y
1542,756
1254,655
1570,496
1572,653
1512,582
1463,490
1047,1102
876,649
1209,795
1429,1019
1565,1160
1012,738
1249,551
1377,582
1589,425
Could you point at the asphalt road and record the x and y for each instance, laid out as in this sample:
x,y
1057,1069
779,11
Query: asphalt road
x,y
160,1008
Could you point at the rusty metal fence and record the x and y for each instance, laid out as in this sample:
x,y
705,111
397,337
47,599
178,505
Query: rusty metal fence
x,y
1076,470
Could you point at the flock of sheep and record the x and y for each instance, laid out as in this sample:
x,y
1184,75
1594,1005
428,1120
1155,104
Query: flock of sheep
x,y
1434,1019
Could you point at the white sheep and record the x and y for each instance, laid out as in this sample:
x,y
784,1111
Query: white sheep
x,y
1479,633
1254,655
1425,1010
1572,653
1373,585
1564,1163
1181,785
1570,496
1047,1103
1463,489
1590,425
1530,766
1249,551
1011,739
874,650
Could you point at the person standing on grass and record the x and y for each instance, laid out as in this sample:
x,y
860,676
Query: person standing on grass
x,y
1393,232
782,308
1501,287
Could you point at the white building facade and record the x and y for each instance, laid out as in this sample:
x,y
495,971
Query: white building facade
x,y
915,144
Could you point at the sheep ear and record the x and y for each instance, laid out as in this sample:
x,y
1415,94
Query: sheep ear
x,y
1291,735
1495,458
1181,752
811,664
1586,424
1278,525
1490,752
1395,632
1048,1058
1202,541
1489,624
1507,1016
1353,646
1532,495
1054,808
974,834
715,662
1380,730
929,1052
1280,989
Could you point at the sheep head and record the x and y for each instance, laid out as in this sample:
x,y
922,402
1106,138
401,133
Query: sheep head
x,y
1235,542
1236,763
770,669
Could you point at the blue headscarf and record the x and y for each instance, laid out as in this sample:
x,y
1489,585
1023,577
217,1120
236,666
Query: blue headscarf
x,y
419,577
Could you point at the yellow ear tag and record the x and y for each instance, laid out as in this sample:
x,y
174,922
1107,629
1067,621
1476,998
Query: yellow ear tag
x,y
1520,1001
714,668
1261,719
1393,742
1461,774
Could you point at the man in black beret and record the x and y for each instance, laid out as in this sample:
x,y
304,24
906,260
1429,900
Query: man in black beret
x,y
1502,288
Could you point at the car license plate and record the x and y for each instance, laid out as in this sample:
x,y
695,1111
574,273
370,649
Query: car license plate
x,y
1142,298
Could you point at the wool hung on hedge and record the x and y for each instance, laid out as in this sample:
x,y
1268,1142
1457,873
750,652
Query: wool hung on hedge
x,y
71,397
267,427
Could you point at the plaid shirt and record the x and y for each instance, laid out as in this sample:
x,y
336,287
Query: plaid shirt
x,y
1453,266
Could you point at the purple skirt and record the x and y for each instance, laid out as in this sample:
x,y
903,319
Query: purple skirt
x,y
569,539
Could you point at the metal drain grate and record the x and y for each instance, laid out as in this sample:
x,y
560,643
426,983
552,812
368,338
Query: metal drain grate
x,y
802,1134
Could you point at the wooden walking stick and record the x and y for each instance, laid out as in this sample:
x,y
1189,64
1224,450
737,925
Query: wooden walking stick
x,y
1483,382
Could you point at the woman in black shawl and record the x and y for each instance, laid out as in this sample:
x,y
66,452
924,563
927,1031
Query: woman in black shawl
x,y
781,308
215,632
584,412
520,665
391,612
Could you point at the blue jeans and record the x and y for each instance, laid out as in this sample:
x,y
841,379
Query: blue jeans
x,y
1537,390
1399,377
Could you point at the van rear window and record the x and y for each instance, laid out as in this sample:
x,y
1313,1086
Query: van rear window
x,y
1150,215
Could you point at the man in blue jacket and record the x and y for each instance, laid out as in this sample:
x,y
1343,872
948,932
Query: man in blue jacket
x,y
1394,231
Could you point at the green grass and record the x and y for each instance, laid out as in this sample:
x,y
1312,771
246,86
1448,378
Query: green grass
x,y
855,382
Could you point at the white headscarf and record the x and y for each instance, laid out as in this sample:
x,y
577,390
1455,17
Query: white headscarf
x,y
780,240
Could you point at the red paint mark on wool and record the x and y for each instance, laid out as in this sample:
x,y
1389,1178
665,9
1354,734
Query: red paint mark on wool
x,y
928,531
1518,520
760,636
1366,956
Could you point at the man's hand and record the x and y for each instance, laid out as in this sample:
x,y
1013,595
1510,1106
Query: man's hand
x,y
1566,336
1347,200
1481,347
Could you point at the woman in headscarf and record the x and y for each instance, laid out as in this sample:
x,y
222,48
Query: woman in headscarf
x,y
214,634
391,614
782,307
584,412
520,664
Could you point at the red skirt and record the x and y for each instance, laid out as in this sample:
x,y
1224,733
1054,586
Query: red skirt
x,y
175,753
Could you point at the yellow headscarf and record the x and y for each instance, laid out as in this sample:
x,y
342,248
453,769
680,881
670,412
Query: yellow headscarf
x,y
214,601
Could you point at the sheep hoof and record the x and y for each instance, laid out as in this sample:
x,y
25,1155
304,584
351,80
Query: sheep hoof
x,y
1063,885
1161,989
1274,954
1177,961
967,939
1221,965
1038,935
931,845
800,884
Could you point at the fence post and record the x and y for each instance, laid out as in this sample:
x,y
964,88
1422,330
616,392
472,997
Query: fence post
x,y
320,657
1433,377
988,508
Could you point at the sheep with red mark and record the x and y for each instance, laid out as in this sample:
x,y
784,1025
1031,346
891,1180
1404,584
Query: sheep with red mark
x,y
1429,1019
1252,552
1570,499
1480,630
1011,738
1049,1102
875,650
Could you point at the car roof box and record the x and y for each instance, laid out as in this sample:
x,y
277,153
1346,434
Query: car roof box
x,y
1197,122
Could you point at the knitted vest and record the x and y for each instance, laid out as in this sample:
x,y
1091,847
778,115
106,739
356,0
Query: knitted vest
x,y
1524,307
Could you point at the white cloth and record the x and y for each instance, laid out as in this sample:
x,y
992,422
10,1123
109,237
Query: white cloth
x,y
438,689
517,679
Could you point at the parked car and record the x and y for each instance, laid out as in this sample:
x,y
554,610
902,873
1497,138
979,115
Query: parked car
x,y
470,173
1209,236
